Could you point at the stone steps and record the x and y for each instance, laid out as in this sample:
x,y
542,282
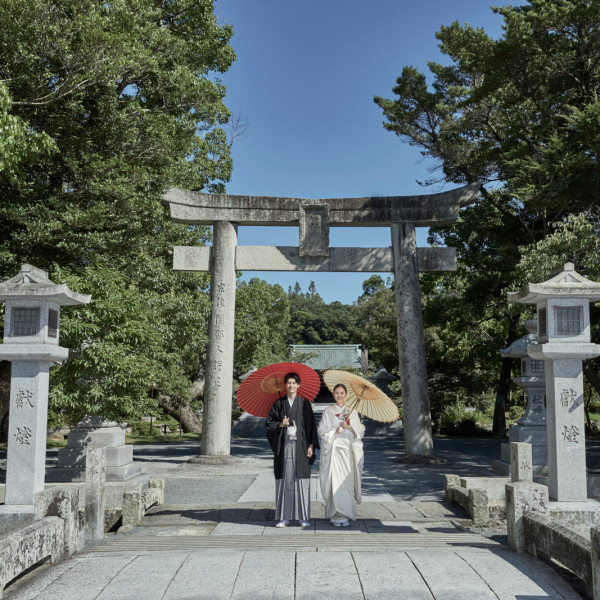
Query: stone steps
x,y
259,511
300,539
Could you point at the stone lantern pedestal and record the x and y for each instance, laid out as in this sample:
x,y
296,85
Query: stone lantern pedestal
x,y
93,432
31,332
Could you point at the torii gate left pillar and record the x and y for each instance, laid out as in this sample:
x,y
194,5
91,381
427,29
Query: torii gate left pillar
x,y
401,213
216,419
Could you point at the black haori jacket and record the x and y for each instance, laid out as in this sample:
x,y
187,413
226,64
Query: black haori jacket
x,y
307,435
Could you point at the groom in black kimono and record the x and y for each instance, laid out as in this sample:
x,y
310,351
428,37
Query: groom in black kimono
x,y
292,435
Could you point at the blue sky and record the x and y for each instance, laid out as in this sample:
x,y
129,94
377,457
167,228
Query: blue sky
x,y
304,79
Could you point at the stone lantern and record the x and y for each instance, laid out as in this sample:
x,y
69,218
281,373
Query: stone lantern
x,y
563,316
31,335
531,427
382,379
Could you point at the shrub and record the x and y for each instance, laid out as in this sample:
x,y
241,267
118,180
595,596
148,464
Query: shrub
x,y
141,428
516,412
458,419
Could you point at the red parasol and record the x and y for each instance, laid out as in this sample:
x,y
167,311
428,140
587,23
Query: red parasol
x,y
259,390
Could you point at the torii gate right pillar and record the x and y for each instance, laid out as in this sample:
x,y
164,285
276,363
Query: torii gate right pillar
x,y
418,439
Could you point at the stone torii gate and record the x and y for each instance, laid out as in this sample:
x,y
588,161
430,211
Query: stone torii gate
x,y
314,217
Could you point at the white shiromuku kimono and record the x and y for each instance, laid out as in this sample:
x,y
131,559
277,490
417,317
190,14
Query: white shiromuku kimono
x,y
341,463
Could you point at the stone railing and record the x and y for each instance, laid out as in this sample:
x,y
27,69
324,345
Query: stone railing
x,y
30,545
532,528
136,503
544,536
485,498
473,500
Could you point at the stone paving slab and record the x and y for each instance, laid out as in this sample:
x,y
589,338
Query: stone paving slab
x,y
327,575
449,577
506,580
261,511
172,515
204,575
543,574
273,576
33,585
292,529
403,511
245,528
142,578
325,526
199,490
202,529
373,510
262,489
317,510
238,513
438,510
376,526
374,490
390,576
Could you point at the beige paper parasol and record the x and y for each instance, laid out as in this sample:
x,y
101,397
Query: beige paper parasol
x,y
363,396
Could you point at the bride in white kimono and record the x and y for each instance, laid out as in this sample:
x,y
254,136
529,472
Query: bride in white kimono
x,y
342,458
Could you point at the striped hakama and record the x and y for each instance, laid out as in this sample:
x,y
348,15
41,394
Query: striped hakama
x,y
292,495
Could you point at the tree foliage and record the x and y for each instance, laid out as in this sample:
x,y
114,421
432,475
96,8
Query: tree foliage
x,y
519,114
378,329
109,104
18,143
313,321
261,324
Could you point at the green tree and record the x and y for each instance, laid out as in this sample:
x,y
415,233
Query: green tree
x,y
313,321
262,317
378,329
18,143
520,115
126,93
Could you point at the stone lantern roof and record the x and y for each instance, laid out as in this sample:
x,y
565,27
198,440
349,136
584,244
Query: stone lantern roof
x,y
33,284
568,283
518,349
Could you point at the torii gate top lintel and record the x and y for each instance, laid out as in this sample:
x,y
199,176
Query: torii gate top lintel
x,y
421,210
